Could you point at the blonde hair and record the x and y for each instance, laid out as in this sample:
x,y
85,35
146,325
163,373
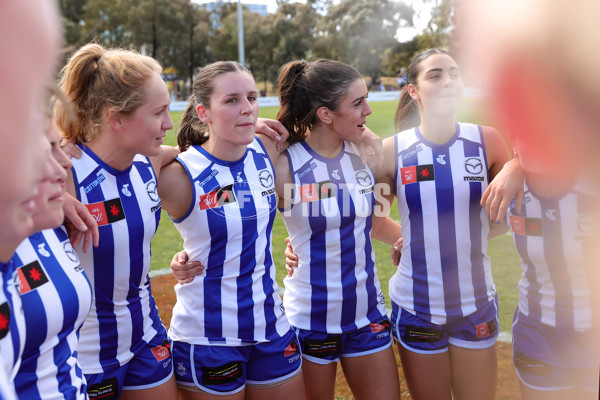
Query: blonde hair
x,y
95,80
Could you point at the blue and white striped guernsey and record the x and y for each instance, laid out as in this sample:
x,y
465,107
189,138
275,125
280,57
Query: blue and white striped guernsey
x,y
335,287
556,239
444,273
12,330
124,317
228,229
56,297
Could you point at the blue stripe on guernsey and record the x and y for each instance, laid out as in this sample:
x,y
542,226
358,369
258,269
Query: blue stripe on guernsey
x,y
228,229
318,262
335,287
54,312
444,273
555,288
123,318
444,190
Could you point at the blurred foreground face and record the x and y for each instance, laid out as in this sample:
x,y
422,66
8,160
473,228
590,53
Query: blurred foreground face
x,y
29,45
540,61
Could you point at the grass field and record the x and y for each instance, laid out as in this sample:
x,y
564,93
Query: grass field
x,y
505,262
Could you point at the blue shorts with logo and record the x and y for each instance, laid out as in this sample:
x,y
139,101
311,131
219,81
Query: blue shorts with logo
x,y
325,348
224,370
476,331
151,367
549,359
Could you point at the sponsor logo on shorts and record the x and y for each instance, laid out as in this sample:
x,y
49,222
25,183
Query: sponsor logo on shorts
x,y
291,348
163,351
377,327
221,375
108,389
4,319
321,348
416,334
316,191
181,369
107,212
31,276
417,173
486,329
531,365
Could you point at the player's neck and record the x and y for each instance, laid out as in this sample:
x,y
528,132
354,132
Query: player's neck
x,y
438,130
324,142
7,250
110,151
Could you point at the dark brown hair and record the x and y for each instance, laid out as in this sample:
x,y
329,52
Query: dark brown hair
x,y
192,131
304,87
407,113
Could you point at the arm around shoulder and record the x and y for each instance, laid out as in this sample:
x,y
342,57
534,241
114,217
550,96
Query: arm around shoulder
x,y
175,190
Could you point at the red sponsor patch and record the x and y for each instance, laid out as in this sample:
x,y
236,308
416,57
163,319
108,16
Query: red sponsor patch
x,y
161,353
291,349
376,328
208,200
486,329
4,319
417,173
107,212
409,174
526,226
31,276
309,192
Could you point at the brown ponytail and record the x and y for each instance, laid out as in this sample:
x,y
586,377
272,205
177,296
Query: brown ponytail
x,y
94,80
407,113
305,87
192,131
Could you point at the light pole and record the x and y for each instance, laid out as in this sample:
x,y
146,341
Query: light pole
x,y
240,33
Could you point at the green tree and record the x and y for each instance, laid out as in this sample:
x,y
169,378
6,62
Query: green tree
x,y
361,33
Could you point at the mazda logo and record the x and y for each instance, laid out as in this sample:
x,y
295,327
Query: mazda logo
x,y
473,165
265,178
363,178
151,190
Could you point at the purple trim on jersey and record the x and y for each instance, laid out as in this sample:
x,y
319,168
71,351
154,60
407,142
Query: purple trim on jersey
x,y
200,178
412,194
444,191
487,167
478,254
435,146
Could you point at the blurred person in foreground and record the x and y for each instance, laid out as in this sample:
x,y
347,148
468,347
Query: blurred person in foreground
x,y
550,107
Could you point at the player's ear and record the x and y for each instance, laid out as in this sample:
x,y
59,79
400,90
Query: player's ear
x,y
412,91
114,118
325,115
203,113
